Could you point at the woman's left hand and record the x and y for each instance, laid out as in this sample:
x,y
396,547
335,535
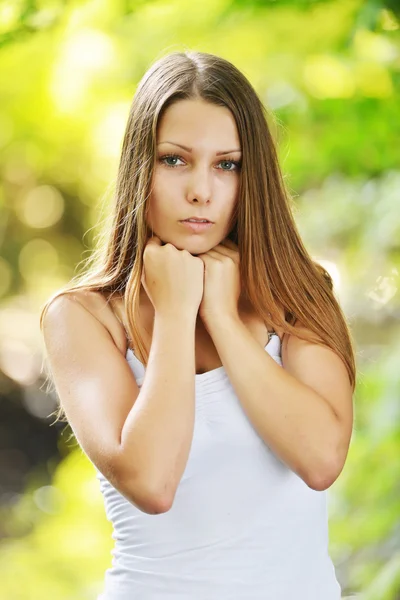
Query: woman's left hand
x,y
221,289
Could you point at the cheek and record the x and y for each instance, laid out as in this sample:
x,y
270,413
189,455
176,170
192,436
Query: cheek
x,y
227,187
163,176
160,203
163,186
233,200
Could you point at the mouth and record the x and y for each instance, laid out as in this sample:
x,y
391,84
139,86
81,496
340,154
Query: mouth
x,y
196,220
197,226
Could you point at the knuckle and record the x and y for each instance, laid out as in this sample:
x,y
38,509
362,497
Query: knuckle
x,y
149,248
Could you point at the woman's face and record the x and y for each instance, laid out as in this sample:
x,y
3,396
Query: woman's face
x,y
200,180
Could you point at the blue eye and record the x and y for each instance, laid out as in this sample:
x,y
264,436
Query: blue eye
x,y
237,164
162,158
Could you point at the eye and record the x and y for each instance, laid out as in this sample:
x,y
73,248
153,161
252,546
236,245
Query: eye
x,y
237,164
168,156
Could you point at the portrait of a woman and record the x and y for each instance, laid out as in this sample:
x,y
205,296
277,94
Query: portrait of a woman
x,y
203,360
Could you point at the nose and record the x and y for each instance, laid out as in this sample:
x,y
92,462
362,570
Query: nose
x,y
199,186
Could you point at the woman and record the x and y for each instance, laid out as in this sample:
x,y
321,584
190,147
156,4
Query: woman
x,y
206,370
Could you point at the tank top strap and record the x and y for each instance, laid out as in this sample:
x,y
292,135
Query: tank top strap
x,y
118,317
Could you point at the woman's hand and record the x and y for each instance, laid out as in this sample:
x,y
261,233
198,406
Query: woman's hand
x,y
172,278
221,290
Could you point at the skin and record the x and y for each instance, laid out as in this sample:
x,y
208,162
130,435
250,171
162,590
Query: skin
x,y
302,411
201,183
204,183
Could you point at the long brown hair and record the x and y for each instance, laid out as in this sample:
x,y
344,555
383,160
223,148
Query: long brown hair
x,y
276,268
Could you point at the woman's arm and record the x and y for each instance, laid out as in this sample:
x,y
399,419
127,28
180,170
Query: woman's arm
x,y
304,411
138,438
159,428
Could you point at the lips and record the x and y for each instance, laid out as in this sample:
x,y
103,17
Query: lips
x,y
196,221
197,226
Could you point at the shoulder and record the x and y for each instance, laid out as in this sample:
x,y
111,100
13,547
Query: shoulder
x,y
99,306
297,351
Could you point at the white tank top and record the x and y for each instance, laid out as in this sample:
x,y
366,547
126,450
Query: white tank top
x,y
243,526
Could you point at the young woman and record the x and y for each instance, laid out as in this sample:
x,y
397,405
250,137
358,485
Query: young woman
x,y
206,370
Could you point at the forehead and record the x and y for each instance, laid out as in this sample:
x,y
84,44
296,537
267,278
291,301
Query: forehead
x,y
197,122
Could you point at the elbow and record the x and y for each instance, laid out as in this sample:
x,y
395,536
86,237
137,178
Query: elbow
x,y
139,491
155,506
148,500
145,497
327,468
322,478
320,484
158,504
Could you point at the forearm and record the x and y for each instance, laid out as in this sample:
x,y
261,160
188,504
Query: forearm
x,y
158,431
297,424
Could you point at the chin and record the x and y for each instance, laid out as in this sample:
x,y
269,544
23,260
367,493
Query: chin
x,y
194,244
199,246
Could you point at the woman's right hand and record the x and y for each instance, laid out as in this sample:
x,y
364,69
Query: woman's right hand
x,y
172,278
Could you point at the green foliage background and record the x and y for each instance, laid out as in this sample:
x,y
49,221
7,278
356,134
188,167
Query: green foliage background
x,y
330,73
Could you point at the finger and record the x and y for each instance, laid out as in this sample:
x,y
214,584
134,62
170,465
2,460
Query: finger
x,y
154,240
227,252
212,254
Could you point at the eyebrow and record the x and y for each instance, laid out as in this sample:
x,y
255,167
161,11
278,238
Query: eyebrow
x,y
190,149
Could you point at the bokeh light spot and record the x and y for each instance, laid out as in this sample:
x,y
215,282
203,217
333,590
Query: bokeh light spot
x,y
41,207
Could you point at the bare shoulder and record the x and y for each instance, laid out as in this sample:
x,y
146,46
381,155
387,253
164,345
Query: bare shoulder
x,y
100,307
313,362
